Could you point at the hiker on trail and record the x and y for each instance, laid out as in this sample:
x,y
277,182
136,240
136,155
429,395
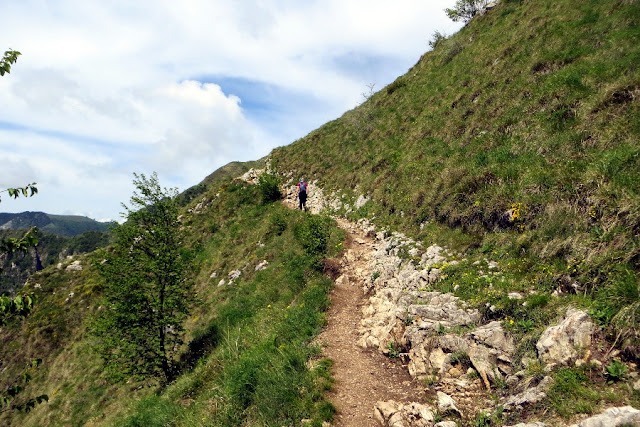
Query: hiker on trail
x,y
302,194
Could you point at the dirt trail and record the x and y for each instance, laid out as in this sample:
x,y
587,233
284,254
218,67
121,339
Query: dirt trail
x,y
363,377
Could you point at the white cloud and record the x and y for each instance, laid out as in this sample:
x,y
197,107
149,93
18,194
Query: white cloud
x,y
105,89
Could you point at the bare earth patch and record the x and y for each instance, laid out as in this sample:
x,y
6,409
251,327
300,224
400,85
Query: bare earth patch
x,y
362,377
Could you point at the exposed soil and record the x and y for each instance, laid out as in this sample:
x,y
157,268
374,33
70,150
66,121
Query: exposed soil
x,y
362,377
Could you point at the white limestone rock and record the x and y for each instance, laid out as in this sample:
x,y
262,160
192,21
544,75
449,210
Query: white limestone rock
x,y
446,405
394,414
74,266
528,397
564,343
262,265
612,417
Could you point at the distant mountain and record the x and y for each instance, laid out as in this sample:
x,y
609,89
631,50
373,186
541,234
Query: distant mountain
x,y
61,225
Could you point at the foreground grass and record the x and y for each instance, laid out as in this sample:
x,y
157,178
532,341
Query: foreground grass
x,y
248,356
251,361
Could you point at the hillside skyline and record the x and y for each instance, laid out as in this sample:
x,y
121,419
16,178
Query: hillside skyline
x,y
101,92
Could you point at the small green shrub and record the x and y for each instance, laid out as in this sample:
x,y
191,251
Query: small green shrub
x,y
374,276
313,234
269,185
461,358
278,223
616,371
398,84
393,350
436,39
482,420
430,380
454,49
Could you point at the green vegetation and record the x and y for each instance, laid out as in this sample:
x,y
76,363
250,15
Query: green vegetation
x,y
61,225
436,39
573,392
514,143
514,140
10,57
250,361
11,308
616,371
269,185
40,250
247,356
12,396
218,177
465,10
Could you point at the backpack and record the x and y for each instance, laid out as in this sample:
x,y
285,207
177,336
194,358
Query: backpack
x,y
303,187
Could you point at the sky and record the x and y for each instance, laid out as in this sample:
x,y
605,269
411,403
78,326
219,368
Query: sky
x,y
105,89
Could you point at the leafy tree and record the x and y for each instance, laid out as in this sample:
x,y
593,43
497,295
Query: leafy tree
x,y
20,306
464,10
27,191
11,397
146,296
12,245
30,238
11,308
10,57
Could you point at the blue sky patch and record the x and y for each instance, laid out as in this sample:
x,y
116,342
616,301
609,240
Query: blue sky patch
x,y
270,105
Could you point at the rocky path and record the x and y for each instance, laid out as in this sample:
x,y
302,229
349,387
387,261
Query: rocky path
x,y
363,376
445,342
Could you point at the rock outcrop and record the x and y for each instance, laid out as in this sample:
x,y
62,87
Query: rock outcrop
x,y
565,343
394,414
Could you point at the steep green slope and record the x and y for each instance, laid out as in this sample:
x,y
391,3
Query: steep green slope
x,y
522,134
246,358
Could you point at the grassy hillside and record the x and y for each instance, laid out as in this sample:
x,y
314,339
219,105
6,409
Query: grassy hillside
x,y
247,357
516,140
521,133
225,173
